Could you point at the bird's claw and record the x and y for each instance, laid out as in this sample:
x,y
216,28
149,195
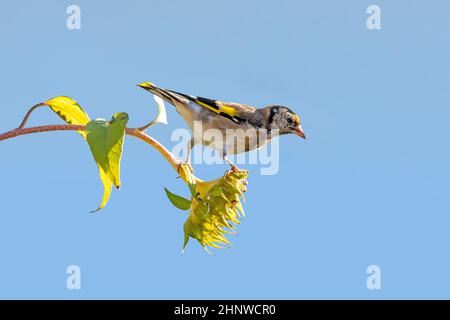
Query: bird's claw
x,y
234,168
187,165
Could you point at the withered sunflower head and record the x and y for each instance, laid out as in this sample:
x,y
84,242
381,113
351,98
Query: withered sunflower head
x,y
216,209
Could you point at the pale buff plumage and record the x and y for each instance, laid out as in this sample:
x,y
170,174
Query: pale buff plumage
x,y
245,127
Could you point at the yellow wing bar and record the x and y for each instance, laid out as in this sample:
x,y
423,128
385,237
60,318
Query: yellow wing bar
x,y
215,107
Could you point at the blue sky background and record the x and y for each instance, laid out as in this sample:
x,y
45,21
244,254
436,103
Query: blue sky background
x,y
371,184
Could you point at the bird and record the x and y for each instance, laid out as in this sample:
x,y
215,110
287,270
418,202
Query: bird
x,y
244,127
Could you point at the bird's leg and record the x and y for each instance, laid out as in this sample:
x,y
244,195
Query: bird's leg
x,y
187,162
224,157
232,165
189,147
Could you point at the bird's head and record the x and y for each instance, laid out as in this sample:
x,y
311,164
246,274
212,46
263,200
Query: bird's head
x,y
285,120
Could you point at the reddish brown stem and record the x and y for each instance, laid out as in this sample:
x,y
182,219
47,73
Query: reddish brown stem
x,y
55,127
174,162
25,119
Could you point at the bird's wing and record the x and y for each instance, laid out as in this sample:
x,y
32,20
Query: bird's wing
x,y
234,111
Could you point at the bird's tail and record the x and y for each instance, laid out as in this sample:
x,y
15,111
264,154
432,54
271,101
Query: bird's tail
x,y
167,95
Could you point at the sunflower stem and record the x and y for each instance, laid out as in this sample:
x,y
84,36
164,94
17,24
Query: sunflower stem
x,y
173,161
27,115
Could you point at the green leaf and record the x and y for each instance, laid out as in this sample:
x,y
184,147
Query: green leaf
x,y
107,187
105,139
69,110
192,189
177,201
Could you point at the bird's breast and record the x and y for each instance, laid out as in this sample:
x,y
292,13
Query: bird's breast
x,y
235,140
218,132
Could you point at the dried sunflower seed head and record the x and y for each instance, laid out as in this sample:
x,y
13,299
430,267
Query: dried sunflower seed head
x,y
216,209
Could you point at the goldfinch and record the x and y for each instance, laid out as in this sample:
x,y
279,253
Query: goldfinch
x,y
245,128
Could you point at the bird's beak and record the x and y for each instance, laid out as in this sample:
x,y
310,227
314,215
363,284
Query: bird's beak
x,y
299,132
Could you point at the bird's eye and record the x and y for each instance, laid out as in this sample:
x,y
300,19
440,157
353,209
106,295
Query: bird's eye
x,y
289,120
